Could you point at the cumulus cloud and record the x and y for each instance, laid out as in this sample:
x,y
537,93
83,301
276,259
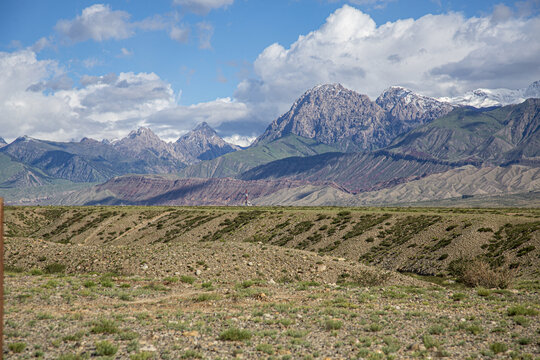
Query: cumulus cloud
x,y
97,22
202,7
38,99
436,55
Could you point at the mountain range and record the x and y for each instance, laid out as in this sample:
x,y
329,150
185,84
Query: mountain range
x,y
333,147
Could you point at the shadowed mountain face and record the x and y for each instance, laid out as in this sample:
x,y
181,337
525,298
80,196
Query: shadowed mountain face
x,y
342,118
2,142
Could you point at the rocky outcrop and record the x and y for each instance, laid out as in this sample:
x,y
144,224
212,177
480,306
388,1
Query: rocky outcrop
x,y
202,143
411,110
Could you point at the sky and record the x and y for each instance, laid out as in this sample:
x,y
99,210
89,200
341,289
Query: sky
x,y
74,68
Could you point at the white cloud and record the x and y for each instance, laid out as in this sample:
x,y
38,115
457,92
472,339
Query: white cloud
x,y
176,119
436,55
179,34
202,7
125,52
205,31
91,62
97,22
41,44
240,140
38,99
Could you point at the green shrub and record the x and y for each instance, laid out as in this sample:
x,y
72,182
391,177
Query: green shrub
x,y
17,347
191,354
265,348
498,348
105,348
521,310
104,326
89,284
143,355
55,268
332,324
187,279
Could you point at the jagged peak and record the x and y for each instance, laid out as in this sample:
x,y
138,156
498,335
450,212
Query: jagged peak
x,y
141,131
204,128
533,90
88,140
24,138
2,141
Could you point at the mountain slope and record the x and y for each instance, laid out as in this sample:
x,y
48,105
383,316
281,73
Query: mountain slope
x,y
464,182
85,161
157,190
354,171
506,134
232,164
202,143
144,145
409,109
16,174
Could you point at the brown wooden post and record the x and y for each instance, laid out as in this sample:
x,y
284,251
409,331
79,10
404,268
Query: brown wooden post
x,y
1,278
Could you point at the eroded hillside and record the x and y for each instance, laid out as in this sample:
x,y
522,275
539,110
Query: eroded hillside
x,y
424,241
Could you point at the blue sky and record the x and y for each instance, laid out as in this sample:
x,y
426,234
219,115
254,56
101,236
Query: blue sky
x,y
84,68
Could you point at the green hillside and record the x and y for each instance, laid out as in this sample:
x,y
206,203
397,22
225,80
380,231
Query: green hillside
x,y
232,164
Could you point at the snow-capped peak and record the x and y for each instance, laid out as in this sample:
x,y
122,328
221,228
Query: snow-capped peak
x,y
495,97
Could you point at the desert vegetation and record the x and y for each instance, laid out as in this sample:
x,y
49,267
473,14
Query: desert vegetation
x,y
277,283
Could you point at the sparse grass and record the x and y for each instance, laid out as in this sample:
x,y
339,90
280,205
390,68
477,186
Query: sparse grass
x,y
308,311
235,334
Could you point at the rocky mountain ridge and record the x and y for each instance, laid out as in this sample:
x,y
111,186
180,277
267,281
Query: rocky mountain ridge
x,y
349,121
89,160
